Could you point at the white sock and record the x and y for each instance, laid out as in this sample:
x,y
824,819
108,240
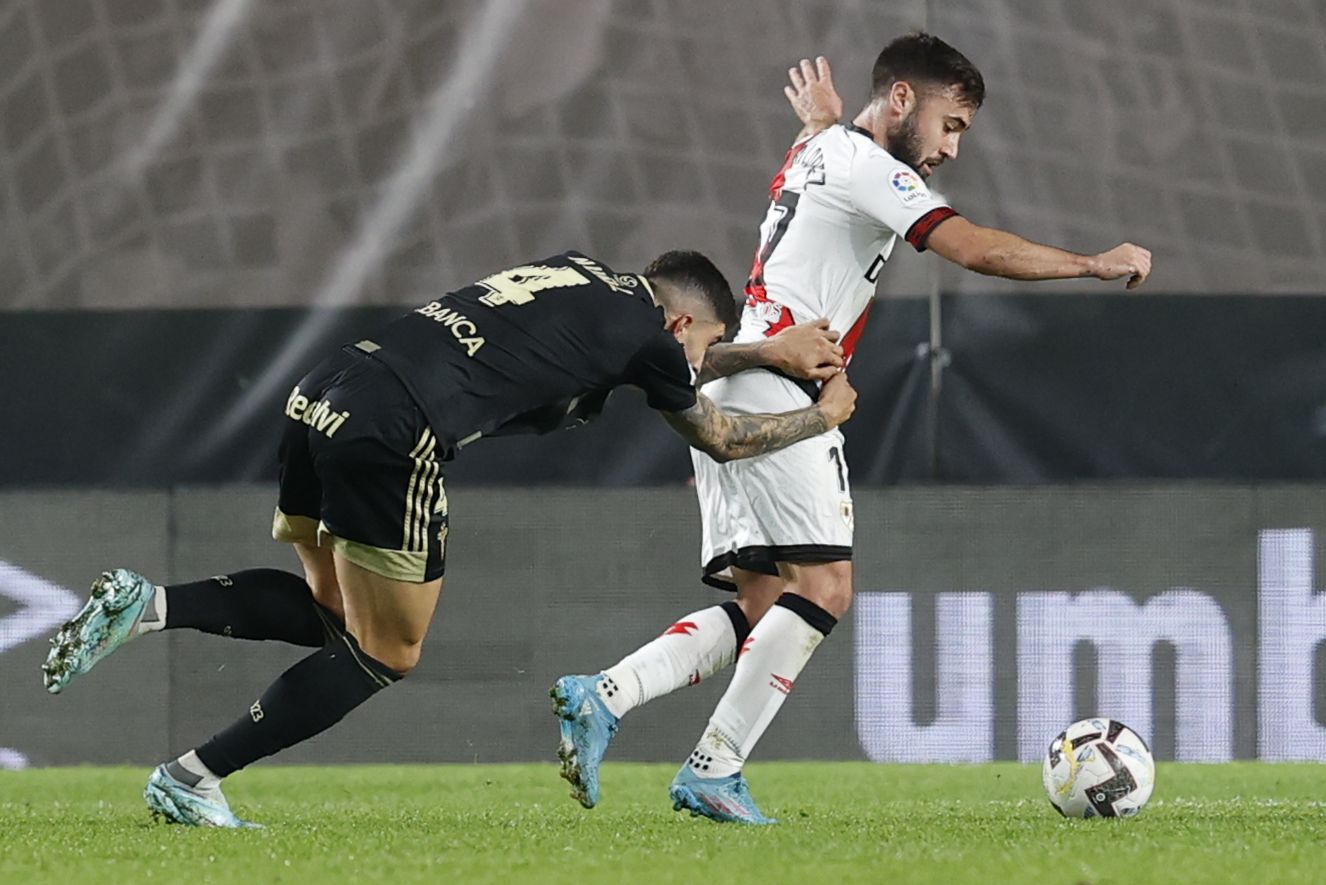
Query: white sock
x,y
154,614
778,648
190,771
696,647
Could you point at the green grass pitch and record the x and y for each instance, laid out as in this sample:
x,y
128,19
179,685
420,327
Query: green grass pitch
x,y
841,822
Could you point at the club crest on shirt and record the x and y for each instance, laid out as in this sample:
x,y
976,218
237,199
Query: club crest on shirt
x,y
907,186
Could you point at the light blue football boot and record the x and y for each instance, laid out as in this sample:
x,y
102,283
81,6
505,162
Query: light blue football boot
x,y
107,621
587,728
724,799
180,804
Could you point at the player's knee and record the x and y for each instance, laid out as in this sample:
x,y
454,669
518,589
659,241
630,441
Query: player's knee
x,y
399,656
756,606
406,659
756,593
829,586
839,600
754,609
840,596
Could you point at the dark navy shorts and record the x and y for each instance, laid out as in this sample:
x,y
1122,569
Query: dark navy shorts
x,y
359,470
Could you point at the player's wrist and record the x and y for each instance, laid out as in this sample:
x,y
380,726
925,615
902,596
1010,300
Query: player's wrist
x,y
816,126
769,354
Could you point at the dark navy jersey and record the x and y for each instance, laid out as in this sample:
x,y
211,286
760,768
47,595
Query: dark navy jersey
x,y
532,349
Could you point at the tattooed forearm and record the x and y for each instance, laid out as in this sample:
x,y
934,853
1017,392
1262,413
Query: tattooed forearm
x,y
750,435
725,437
721,360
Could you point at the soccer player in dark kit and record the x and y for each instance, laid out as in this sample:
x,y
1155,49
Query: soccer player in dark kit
x,y
361,494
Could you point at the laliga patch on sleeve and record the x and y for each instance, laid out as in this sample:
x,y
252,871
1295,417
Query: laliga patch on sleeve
x,y
907,186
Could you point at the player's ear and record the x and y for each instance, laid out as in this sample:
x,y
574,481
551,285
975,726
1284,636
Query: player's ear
x,y
902,98
679,323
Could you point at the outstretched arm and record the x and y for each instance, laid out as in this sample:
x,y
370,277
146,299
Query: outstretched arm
x,y
725,437
1002,254
812,96
806,350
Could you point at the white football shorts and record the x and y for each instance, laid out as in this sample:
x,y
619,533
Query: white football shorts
x,y
793,505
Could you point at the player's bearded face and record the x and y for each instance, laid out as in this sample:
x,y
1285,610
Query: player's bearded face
x,y
905,141
928,136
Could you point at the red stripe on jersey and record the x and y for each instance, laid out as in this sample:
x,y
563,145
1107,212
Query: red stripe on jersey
x,y
755,282
756,292
922,227
776,186
854,334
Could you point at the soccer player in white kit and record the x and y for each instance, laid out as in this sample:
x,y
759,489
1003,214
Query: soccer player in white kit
x,y
777,528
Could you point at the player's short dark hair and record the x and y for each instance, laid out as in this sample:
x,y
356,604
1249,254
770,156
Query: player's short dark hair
x,y
925,60
690,274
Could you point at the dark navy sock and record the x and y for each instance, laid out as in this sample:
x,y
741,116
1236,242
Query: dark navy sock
x,y
305,700
260,603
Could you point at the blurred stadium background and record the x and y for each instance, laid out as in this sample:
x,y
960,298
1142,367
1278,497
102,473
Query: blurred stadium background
x,y
199,197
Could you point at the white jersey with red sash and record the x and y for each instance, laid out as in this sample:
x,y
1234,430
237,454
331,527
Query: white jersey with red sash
x,y
836,208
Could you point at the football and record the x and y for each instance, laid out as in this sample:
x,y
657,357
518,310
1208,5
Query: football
x,y
1098,768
